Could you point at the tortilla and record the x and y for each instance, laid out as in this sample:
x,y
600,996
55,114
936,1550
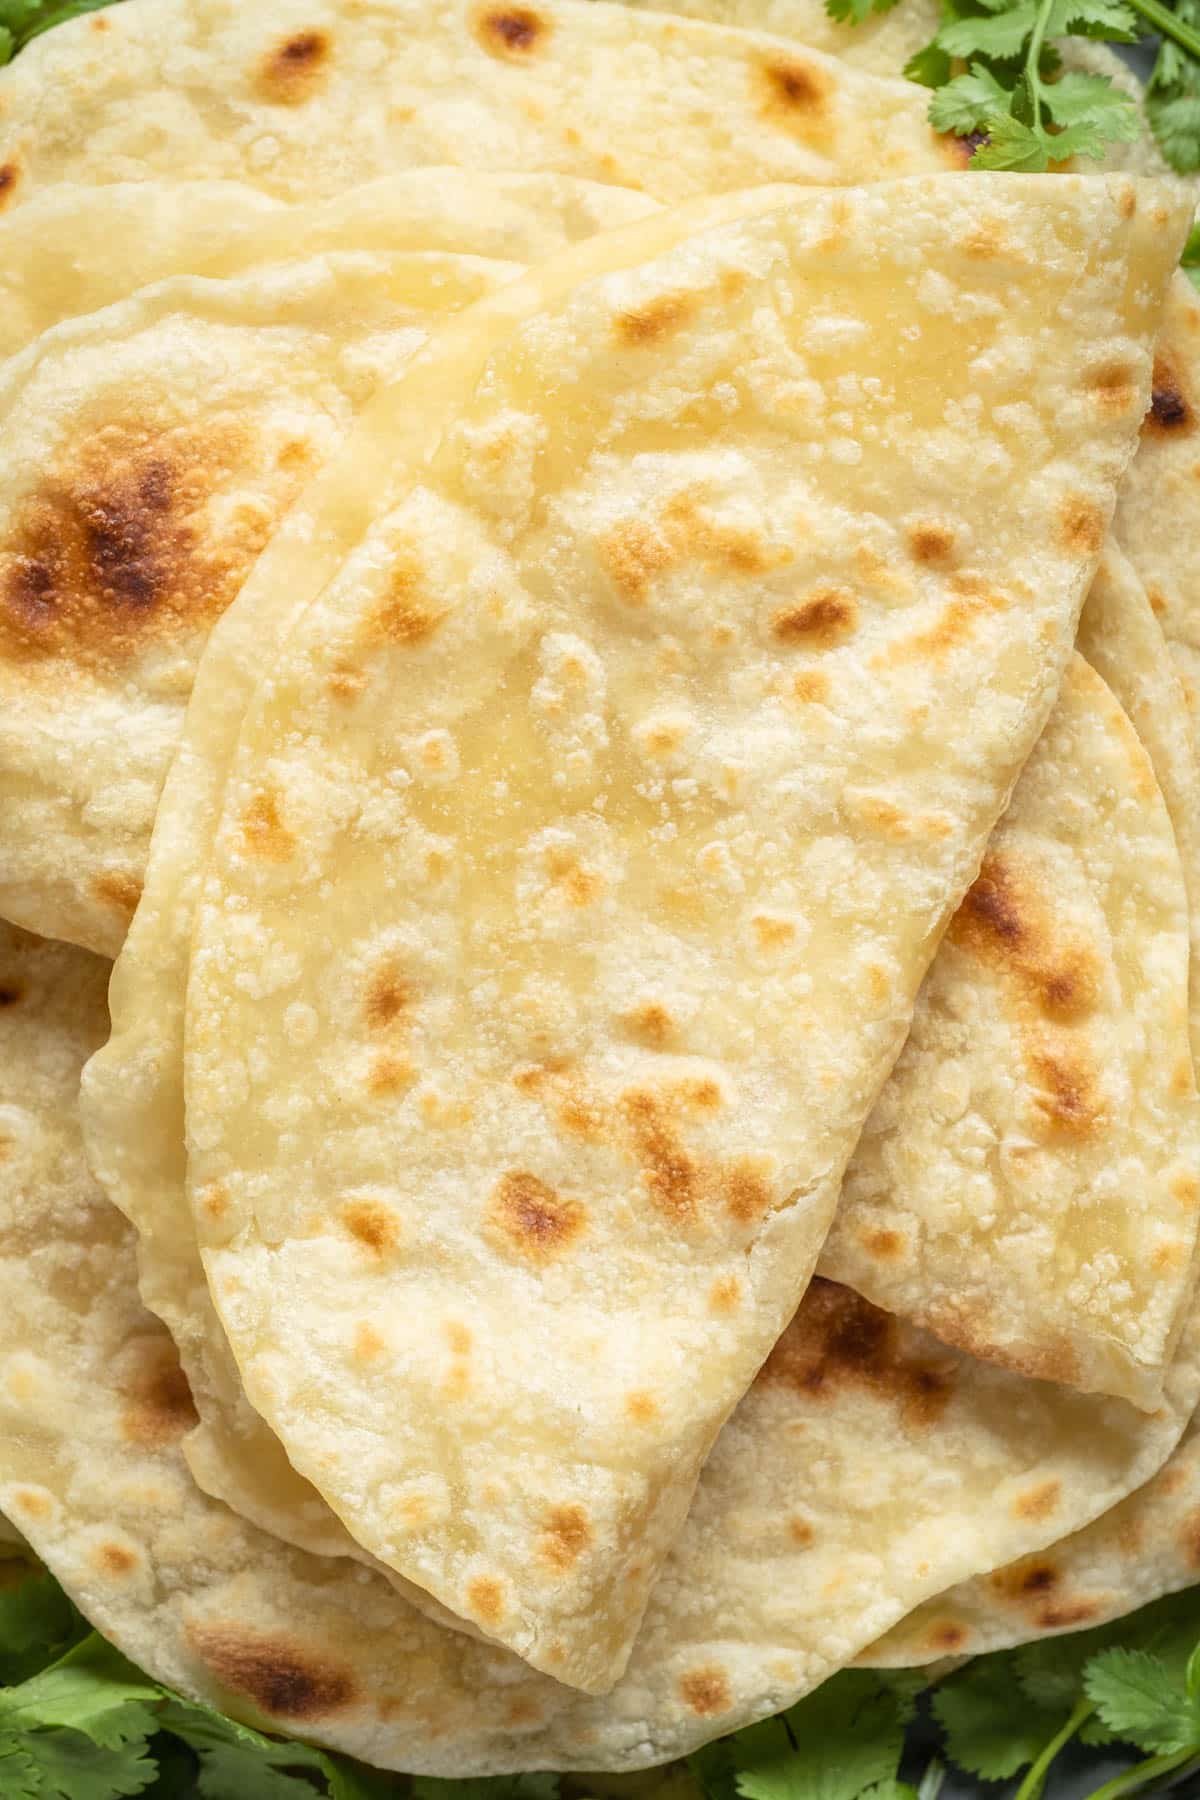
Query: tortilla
x,y
604,1125
314,96
1026,1187
153,446
778,1577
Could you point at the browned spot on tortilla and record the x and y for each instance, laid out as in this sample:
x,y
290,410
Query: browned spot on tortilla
x,y
1068,1616
11,993
118,889
771,932
725,1294
636,551
1038,1501
1188,1539
532,1217
944,1637
566,1534
114,550
8,182
965,1326
746,1191
389,995
458,1337
671,1177
931,543
641,1406
698,1093
956,151
158,1407
369,1344
878,1241
485,1599
280,1675
1185,1188
1081,526
1029,1580
524,1712
838,1340
579,884
513,32
264,834
531,1078
796,94
374,1225
650,1024
811,686
656,319
292,72
970,601
1126,202
389,1075
406,615
800,1531
214,1199
705,1690
114,1559
1068,1095
985,240
1006,921
827,616
1170,413
33,1503
1114,386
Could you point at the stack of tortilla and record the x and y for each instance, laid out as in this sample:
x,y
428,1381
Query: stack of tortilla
x,y
597,627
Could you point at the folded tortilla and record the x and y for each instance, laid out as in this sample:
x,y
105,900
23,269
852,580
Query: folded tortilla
x,y
580,1055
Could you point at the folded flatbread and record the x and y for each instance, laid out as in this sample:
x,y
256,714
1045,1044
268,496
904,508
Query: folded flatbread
x,y
153,442
610,1123
868,1467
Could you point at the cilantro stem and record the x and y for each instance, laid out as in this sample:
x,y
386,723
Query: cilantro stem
x,y
1183,1761
1031,1787
1170,25
1033,58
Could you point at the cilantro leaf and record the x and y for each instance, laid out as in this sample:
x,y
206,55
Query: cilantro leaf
x,y
350,1780
70,1766
37,1622
853,12
714,1770
1135,1697
1109,19
18,1773
969,103
985,1733
91,1689
993,34
844,1737
232,1771
490,1787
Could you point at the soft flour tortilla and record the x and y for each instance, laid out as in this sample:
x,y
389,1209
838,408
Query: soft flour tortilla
x,y
867,1467
601,1122
75,248
154,445
1144,1548
308,97
1026,1185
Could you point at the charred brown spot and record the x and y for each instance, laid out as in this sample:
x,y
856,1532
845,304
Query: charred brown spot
x,y
1067,1617
390,1075
1189,1539
264,835
532,1217
795,90
1113,385
11,993
650,1024
8,183
945,1637
1039,1501
119,890
514,32
1026,1580
1081,526
579,884
882,1243
372,1224
159,1405
811,686
635,552
566,1534
1170,413
931,544
1068,1096
115,1560
657,319
838,1340
641,1407
671,1177
485,1599
825,618
291,72
705,1690
407,616
280,1676
1005,921
747,1193
389,995
113,552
